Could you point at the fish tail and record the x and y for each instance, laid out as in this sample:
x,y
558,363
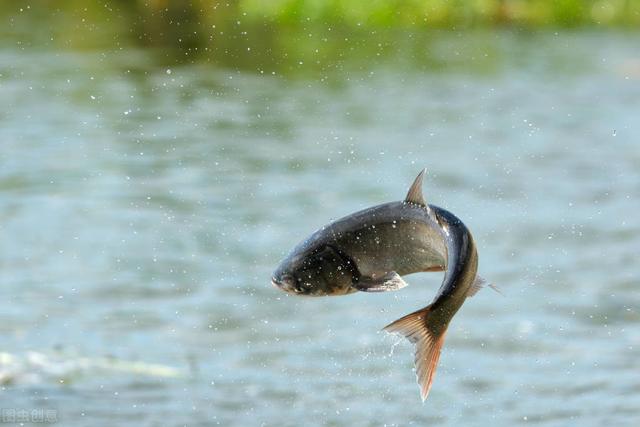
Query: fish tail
x,y
427,332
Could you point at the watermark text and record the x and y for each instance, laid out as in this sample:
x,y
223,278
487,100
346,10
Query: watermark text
x,y
21,415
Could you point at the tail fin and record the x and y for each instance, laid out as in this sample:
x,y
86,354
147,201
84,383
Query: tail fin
x,y
428,339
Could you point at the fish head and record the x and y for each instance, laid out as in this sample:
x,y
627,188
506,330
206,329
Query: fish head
x,y
318,270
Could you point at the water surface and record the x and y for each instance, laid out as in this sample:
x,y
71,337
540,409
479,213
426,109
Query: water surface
x,y
144,204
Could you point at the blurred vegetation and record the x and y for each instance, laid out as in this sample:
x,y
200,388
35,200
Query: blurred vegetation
x,y
284,35
448,13
369,13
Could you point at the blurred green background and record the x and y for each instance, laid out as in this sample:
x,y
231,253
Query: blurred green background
x,y
293,35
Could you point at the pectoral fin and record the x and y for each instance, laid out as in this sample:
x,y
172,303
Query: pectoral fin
x,y
480,283
389,282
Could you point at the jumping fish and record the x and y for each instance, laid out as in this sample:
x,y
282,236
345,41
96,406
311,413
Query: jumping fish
x,y
372,249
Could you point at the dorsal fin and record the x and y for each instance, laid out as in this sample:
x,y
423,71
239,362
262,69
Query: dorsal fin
x,y
415,192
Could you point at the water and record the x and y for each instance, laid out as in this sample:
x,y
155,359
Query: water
x,y
144,204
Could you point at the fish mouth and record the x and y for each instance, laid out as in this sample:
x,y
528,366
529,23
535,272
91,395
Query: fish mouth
x,y
285,284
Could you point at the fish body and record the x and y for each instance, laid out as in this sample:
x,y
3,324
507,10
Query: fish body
x,y
372,249
397,236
